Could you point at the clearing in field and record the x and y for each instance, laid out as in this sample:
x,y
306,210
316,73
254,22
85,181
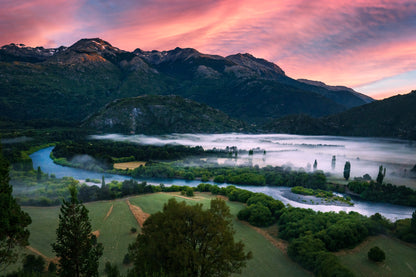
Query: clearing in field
x,y
128,165
400,258
138,213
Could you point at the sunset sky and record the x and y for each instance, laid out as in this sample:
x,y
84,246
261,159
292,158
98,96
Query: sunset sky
x,y
369,45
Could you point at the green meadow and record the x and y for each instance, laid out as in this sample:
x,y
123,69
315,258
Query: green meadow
x,y
400,258
114,233
112,222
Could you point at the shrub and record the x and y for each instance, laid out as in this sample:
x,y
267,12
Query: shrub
x,y
376,254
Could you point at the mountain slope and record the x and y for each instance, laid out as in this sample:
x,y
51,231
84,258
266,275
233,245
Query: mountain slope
x,y
155,114
391,117
70,83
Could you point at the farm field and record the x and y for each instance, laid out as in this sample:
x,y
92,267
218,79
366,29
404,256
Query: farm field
x,y
400,258
128,165
112,221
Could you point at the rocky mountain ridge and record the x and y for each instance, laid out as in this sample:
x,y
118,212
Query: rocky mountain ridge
x,y
71,83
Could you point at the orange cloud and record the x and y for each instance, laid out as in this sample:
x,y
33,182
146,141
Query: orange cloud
x,y
339,42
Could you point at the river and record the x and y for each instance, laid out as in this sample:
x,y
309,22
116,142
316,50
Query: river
x,y
41,158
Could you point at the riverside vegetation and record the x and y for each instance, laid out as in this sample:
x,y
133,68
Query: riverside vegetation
x,y
312,236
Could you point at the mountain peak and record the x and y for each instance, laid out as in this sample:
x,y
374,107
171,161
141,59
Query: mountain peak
x,y
93,45
261,66
21,52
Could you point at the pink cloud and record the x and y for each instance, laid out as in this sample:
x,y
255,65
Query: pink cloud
x,y
36,23
338,42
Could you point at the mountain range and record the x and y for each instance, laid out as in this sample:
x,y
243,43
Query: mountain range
x,y
394,117
70,83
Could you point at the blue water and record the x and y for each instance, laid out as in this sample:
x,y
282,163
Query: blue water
x,y
41,158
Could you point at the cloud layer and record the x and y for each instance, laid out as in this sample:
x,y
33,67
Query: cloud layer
x,y
355,43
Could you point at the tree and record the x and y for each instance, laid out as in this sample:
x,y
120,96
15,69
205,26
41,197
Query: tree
x,y
13,221
31,263
186,240
381,175
347,170
111,270
76,247
38,174
334,160
376,254
413,222
315,165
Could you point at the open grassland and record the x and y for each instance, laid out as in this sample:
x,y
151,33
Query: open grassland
x,y
400,258
267,260
112,221
128,165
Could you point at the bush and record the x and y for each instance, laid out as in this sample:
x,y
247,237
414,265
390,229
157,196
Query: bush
x,y
133,230
33,263
376,254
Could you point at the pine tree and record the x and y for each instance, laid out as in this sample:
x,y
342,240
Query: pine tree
x,y
13,221
76,247
315,165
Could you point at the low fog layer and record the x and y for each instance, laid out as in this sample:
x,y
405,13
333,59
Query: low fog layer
x,y
365,154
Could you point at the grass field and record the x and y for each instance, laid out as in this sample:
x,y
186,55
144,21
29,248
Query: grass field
x,y
114,233
267,259
400,258
113,220
128,165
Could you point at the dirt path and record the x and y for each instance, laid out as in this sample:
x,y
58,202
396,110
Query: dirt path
x,y
47,259
355,249
280,244
109,212
182,196
138,213
37,252
96,233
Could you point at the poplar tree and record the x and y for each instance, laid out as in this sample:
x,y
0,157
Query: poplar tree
x,y
347,170
13,221
76,247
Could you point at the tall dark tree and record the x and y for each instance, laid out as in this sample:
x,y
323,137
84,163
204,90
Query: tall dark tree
x,y
186,240
333,163
39,174
13,221
75,246
315,165
347,170
413,222
381,174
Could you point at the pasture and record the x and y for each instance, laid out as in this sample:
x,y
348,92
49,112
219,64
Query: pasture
x,y
112,221
400,258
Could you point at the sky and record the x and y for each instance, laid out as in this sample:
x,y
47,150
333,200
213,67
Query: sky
x,y
369,45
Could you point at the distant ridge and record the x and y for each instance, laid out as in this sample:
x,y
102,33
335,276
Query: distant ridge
x,y
393,117
156,114
70,83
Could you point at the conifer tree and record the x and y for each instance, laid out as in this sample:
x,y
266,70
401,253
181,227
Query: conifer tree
x,y
13,221
76,247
